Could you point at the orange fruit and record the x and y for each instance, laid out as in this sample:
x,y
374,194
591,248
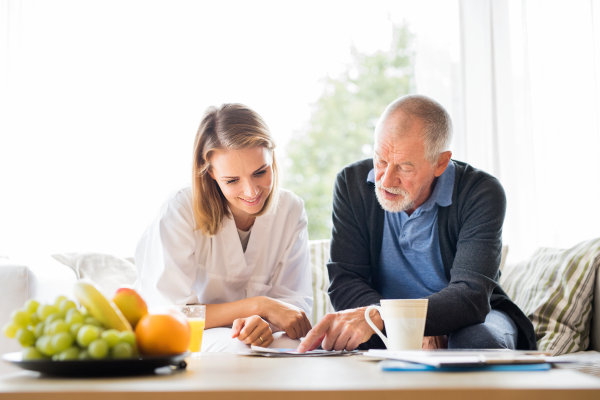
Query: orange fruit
x,y
163,333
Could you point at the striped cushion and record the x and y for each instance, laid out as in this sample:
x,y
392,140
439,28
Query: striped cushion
x,y
319,255
555,289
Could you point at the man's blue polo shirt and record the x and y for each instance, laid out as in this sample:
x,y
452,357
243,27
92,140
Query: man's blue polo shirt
x,y
410,264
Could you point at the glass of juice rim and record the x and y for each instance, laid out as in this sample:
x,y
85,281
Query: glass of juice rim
x,y
195,314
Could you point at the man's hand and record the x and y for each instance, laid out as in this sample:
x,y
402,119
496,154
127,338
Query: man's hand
x,y
344,330
435,342
252,331
291,319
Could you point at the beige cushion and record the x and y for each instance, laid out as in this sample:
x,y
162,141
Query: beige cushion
x,y
555,290
503,259
319,255
108,271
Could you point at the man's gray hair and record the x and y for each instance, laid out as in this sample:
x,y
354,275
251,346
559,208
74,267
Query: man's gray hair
x,y
436,120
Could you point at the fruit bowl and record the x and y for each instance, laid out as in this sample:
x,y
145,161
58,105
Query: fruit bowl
x,y
96,338
105,367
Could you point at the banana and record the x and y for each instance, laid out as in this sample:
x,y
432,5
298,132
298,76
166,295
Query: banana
x,y
101,308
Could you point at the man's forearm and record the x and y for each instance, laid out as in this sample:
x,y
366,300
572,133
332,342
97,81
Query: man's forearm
x,y
348,289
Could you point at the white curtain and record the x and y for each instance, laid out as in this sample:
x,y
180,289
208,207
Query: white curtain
x,y
520,79
530,101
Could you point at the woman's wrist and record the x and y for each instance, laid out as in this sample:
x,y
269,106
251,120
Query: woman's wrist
x,y
259,306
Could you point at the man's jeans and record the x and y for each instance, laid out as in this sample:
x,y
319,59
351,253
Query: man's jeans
x,y
497,332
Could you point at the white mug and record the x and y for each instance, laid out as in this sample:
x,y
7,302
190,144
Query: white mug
x,y
404,323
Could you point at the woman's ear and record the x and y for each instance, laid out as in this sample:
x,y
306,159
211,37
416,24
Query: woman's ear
x,y
211,173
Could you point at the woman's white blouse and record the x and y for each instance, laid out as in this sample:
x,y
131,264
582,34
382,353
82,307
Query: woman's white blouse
x,y
179,265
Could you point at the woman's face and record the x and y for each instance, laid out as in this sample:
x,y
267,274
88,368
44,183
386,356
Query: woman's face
x,y
244,176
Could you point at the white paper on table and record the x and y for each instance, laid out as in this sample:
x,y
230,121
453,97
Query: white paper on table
x,y
275,352
449,358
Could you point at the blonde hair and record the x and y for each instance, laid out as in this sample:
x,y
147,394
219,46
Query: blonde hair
x,y
231,126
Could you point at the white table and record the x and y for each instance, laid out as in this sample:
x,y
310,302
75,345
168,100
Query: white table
x,y
228,376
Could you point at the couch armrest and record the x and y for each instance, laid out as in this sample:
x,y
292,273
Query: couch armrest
x,y
50,279
595,328
43,279
14,286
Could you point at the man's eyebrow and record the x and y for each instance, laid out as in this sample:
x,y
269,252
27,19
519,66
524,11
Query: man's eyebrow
x,y
409,163
235,177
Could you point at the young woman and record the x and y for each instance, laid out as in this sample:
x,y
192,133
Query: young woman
x,y
234,241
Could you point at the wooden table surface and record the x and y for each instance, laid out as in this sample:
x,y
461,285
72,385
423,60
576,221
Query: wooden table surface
x,y
229,376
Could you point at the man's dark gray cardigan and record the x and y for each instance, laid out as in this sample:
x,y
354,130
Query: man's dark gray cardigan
x,y
470,234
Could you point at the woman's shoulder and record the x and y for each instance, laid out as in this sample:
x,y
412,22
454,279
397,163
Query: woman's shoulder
x,y
178,201
289,201
180,195
290,210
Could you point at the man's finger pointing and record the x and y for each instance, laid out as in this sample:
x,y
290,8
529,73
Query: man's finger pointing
x,y
315,335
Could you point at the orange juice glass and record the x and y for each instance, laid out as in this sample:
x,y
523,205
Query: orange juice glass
x,y
195,315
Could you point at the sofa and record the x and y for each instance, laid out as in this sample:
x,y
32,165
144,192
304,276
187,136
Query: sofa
x,y
46,277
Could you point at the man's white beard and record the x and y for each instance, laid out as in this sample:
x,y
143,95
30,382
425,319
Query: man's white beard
x,y
393,206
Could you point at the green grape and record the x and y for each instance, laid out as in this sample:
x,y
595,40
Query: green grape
x,y
73,318
10,330
111,336
31,353
72,311
25,337
38,331
127,337
45,310
49,327
98,349
69,354
92,321
34,319
54,317
61,341
54,357
87,334
84,355
122,350
51,318
40,343
66,305
74,329
44,345
31,306
20,317
58,326
58,300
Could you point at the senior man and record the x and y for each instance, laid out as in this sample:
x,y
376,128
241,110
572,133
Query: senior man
x,y
413,223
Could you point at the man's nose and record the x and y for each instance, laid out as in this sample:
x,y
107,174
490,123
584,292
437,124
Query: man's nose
x,y
389,179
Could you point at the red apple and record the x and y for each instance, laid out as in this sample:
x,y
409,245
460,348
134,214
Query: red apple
x,y
131,305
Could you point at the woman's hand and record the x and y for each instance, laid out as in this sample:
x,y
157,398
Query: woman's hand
x,y
252,330
285,316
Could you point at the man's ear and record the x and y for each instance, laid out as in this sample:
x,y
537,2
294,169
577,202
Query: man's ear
x,y
442,163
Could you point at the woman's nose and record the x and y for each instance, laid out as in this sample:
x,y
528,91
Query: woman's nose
x,y
250,189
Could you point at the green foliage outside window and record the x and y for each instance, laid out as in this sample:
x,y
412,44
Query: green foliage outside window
x,y
341,127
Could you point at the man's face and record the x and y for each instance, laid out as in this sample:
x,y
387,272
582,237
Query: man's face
x,y
404,178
